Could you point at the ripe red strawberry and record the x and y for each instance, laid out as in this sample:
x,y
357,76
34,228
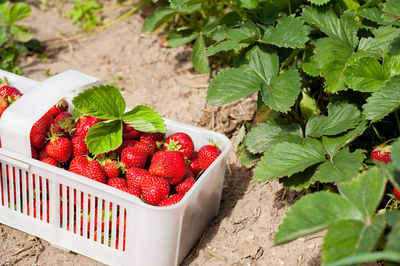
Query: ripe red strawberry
x,y
43,154
59,107
111,168
50,160
135,175
168,164
79,146
3,105
131,190
181,142
78,165
64,123
173,199
129,132
59,148
39,131
148,145
156,136
207,155
95,172
396,192
185,186
9,93
34,152
117,182
154,189
84,124
134,157
382,154
125,144
195,165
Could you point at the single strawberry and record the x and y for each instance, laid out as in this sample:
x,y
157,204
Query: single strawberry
x,y
8,92
169,164
34,152
111,168
131,190
79,146
117,182
396,192
95,172
38,134
194,165
59,148
184,186
134,157
59,107
156,136
154,189
148,145
3,105
207,155
181,142
50,161
64,123
135,175
125,144
381,153
128,132
84,124
78,165
172,200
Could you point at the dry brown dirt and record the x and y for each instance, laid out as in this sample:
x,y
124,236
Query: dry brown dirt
x,y
163,78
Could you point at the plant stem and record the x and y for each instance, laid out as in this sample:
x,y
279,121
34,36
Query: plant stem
x,y
377,134
290,6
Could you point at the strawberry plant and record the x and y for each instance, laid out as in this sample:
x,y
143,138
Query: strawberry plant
x,y
14,38
83,13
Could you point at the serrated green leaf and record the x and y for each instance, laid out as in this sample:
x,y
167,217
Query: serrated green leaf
x,y
246,159
178,38
364,74
368,257
144,118
383,37
310,65
243,31
299,181
186,6
393,243
374,14
391,62
333,144
343,166
344,29
225,45
199,56
268,14
249,4
290,32
315,212
104,101
210,25
285,159
352,4
350,237
331,55
283,91
341,117
308,106
161,15
5,19
19,11
365,191
264,62
3,36
391,11
21,33
104,136
319,2
266,135
232,84
383,101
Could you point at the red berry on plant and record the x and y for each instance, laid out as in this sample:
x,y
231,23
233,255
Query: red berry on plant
x,y
382,154
396,192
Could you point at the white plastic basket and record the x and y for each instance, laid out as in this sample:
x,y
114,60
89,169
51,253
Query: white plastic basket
x,y
153,235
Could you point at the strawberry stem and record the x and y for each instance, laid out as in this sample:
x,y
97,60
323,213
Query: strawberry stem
x,y
377,134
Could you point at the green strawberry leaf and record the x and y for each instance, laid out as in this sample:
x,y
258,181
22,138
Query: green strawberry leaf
x,y
395,153
308,106
391,63
393,243
199,56
301,180
364,74
283,91
391,11
285,159
161,15
343,166
354,236
104,136
21,33
19,11
249,4
333,144
5,19
315,212
365,191
341,117
178,38
241,31
144,118
290,32
387,256
264,61
104,101
310,66
319,2
383,37
374,14
383,101
231,84
267,135
3,36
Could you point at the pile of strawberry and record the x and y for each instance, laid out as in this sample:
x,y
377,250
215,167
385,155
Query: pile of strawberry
x,y
8,95
157,169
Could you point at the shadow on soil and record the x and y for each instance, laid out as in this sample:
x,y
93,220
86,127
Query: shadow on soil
x,y
235,185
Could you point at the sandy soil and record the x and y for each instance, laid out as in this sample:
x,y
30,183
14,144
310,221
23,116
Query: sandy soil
x,y
163,78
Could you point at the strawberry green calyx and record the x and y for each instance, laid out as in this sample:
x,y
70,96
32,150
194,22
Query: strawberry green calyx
x,y
173,145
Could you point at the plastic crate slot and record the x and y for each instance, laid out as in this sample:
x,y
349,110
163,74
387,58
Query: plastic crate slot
x,y
63,205
120,243
70,210
106,222
3,186
11,191
24,186
92,224
99,232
